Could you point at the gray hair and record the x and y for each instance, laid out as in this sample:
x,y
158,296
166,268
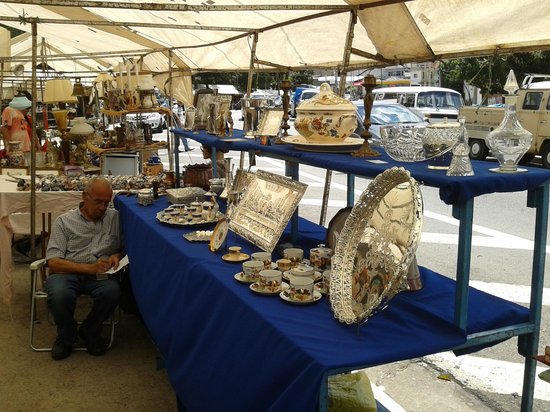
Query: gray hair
x,y
97,180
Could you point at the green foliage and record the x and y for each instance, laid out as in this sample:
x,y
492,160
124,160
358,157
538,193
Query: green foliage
x,y
489,73
262,80
301,77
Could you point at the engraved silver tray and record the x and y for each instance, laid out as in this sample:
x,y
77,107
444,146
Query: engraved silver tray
x,y
376,246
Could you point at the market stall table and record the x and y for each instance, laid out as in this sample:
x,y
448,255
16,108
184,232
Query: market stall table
x,y
460,192
13,201
227,348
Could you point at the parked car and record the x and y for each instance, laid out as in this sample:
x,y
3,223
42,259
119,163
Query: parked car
x,y
435,103
155,119
386,114
300,94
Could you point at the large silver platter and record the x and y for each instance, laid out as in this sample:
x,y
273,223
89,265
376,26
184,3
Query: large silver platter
x,y
376,246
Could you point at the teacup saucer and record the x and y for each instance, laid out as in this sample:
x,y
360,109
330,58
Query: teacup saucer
x,y
239,277
316,277
286,297
235,257
255,287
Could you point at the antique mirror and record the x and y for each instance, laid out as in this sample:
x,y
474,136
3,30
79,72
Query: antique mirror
x,y
376,246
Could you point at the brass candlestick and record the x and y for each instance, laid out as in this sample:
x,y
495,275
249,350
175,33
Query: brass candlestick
x,y
369,83
286,86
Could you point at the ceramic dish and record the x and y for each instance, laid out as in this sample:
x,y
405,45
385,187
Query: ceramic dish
x,y
348,145
198,236
286,297
255,287
316,277
235,257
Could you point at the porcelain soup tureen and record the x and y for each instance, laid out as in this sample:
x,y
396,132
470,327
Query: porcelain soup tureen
x,y
326,118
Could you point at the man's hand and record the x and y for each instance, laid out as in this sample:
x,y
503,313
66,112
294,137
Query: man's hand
x,y
103,265
114,260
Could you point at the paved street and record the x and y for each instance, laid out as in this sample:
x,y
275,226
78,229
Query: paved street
x,y
489,380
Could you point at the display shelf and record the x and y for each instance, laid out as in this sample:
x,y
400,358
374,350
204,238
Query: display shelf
x,y
460,192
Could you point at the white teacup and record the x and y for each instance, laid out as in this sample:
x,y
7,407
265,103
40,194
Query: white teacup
x,y
264,257
301,288
320,257
294,254
270,280
284,264
251,270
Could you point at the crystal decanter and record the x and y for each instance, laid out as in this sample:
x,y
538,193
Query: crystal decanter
x,y
509,141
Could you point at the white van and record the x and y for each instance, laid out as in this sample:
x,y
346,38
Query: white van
x,y
434,103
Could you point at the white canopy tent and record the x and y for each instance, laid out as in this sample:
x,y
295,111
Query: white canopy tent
x,y
278,34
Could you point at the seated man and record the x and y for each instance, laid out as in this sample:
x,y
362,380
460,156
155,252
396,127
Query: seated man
x,y
84,242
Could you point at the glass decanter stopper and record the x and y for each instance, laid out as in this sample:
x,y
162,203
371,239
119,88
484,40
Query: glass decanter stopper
x,y
509,141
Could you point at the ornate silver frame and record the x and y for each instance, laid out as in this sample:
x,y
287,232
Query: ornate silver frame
x,y
266,208
270,122
242,180
376,246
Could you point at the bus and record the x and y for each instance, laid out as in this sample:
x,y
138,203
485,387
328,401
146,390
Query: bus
x,y
434,103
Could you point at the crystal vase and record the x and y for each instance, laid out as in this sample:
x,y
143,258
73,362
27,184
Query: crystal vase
x,y
509,141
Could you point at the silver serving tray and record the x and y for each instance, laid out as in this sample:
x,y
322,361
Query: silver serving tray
x,y
165,218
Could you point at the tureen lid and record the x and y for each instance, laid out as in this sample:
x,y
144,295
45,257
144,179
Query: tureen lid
x,y
326,99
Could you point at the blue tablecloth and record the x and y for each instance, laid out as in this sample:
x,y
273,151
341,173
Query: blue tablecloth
x,y
452,190
229,349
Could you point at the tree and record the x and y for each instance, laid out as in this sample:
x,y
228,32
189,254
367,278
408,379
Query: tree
x,y
301,77
489,73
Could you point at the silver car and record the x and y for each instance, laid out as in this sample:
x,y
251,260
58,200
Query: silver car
x,y
386,114
155,119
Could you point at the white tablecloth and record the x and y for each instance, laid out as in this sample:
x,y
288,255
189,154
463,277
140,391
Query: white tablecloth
x,y
14,202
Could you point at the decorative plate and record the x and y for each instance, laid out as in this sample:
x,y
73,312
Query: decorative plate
x,y
336,225
286,297
255,287
198,236
348,145
376,246
218,235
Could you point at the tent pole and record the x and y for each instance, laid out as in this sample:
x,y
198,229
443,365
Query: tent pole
x,y
1,86
33,138
347,53
174,158
251,67
341,92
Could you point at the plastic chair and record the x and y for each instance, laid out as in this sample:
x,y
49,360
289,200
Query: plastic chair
x,y
38,275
